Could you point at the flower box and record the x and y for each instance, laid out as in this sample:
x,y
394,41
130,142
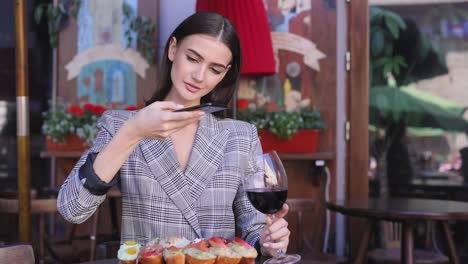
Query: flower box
x,y
304,141
72,144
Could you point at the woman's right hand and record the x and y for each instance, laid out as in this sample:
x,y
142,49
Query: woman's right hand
x,y
158,120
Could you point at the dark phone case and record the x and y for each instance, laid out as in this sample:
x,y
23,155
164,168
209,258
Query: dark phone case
x,y
207,108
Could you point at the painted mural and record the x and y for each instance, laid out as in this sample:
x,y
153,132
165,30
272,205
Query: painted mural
x,y
295,56
106,65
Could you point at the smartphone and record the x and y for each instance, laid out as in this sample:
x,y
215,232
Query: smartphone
x,y
206,107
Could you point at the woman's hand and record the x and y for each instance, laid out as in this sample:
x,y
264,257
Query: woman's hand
x,y
158,120
275,235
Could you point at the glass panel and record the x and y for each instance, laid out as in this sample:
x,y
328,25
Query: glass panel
x,y
420,51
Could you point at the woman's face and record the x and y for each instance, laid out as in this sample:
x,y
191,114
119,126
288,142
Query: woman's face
x,y
199,63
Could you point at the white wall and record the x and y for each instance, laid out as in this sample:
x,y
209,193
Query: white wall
x,y
171,13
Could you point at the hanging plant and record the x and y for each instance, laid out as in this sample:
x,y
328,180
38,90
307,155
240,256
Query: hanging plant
x,y
144,29
57,17
74,8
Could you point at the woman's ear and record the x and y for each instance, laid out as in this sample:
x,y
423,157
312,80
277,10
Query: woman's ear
x,y
172,49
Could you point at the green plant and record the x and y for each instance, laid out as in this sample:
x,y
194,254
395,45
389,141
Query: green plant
x,y
57,16
144,29
72,119
255,117
74,8
283,124
385,28
397,46
58,124
312,119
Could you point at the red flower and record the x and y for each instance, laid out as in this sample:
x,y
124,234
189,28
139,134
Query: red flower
x,y
99,109
74,109
95,109
89,107
242,103
131,108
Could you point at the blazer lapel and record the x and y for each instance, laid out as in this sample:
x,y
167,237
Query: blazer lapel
x,y
206,156
161,158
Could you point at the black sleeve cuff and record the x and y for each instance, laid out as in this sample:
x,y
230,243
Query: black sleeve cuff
x,y
91,181
258,247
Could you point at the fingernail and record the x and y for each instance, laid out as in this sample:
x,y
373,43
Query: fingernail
x,y
266,244
268,238
179,106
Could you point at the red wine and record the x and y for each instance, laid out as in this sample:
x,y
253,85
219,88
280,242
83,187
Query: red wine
x,y
267,200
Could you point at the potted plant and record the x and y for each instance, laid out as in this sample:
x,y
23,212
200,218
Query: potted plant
x,y
71,128
286,131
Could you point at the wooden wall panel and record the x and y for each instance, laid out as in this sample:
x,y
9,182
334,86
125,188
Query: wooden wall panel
x,y
323,82
304,183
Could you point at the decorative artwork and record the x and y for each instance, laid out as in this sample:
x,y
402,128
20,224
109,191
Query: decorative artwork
x,y
283,11
104,67
295,56
297,44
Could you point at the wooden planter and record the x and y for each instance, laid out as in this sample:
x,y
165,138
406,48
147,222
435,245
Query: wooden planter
x,y
72,144
304,141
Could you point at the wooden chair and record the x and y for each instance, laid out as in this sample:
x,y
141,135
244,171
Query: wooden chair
x,y
17,254
40,207
297,208
391,253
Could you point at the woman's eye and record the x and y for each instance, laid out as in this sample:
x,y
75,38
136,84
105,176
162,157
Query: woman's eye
x,y
215,71
191,59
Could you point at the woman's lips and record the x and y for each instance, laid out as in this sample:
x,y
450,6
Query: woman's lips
x,y
192,88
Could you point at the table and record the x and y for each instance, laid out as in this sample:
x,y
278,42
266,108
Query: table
x,y
433,189
406,211
436,175
259,260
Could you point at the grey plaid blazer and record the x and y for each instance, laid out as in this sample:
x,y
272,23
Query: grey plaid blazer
x,y
160,200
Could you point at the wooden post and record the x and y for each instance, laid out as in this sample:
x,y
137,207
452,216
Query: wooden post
x,y
358,94
22,112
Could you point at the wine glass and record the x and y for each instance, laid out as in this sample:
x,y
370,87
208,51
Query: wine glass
x,y
267,190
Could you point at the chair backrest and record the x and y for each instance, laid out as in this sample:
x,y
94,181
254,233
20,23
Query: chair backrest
x,y
14,194
391,234
17,254
299,206
38,206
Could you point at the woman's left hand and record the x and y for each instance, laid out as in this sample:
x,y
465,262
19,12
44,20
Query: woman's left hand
x,y
275,235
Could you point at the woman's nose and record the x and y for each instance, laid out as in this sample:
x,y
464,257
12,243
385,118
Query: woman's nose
x,y
198,73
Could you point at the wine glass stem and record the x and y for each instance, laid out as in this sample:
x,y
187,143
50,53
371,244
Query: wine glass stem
x,y
280,254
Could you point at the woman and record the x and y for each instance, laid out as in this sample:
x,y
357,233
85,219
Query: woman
x,y
180,173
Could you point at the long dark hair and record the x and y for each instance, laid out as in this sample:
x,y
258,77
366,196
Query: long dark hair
x,y
215,25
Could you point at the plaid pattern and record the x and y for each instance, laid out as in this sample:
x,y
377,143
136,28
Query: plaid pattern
x,y
161,200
